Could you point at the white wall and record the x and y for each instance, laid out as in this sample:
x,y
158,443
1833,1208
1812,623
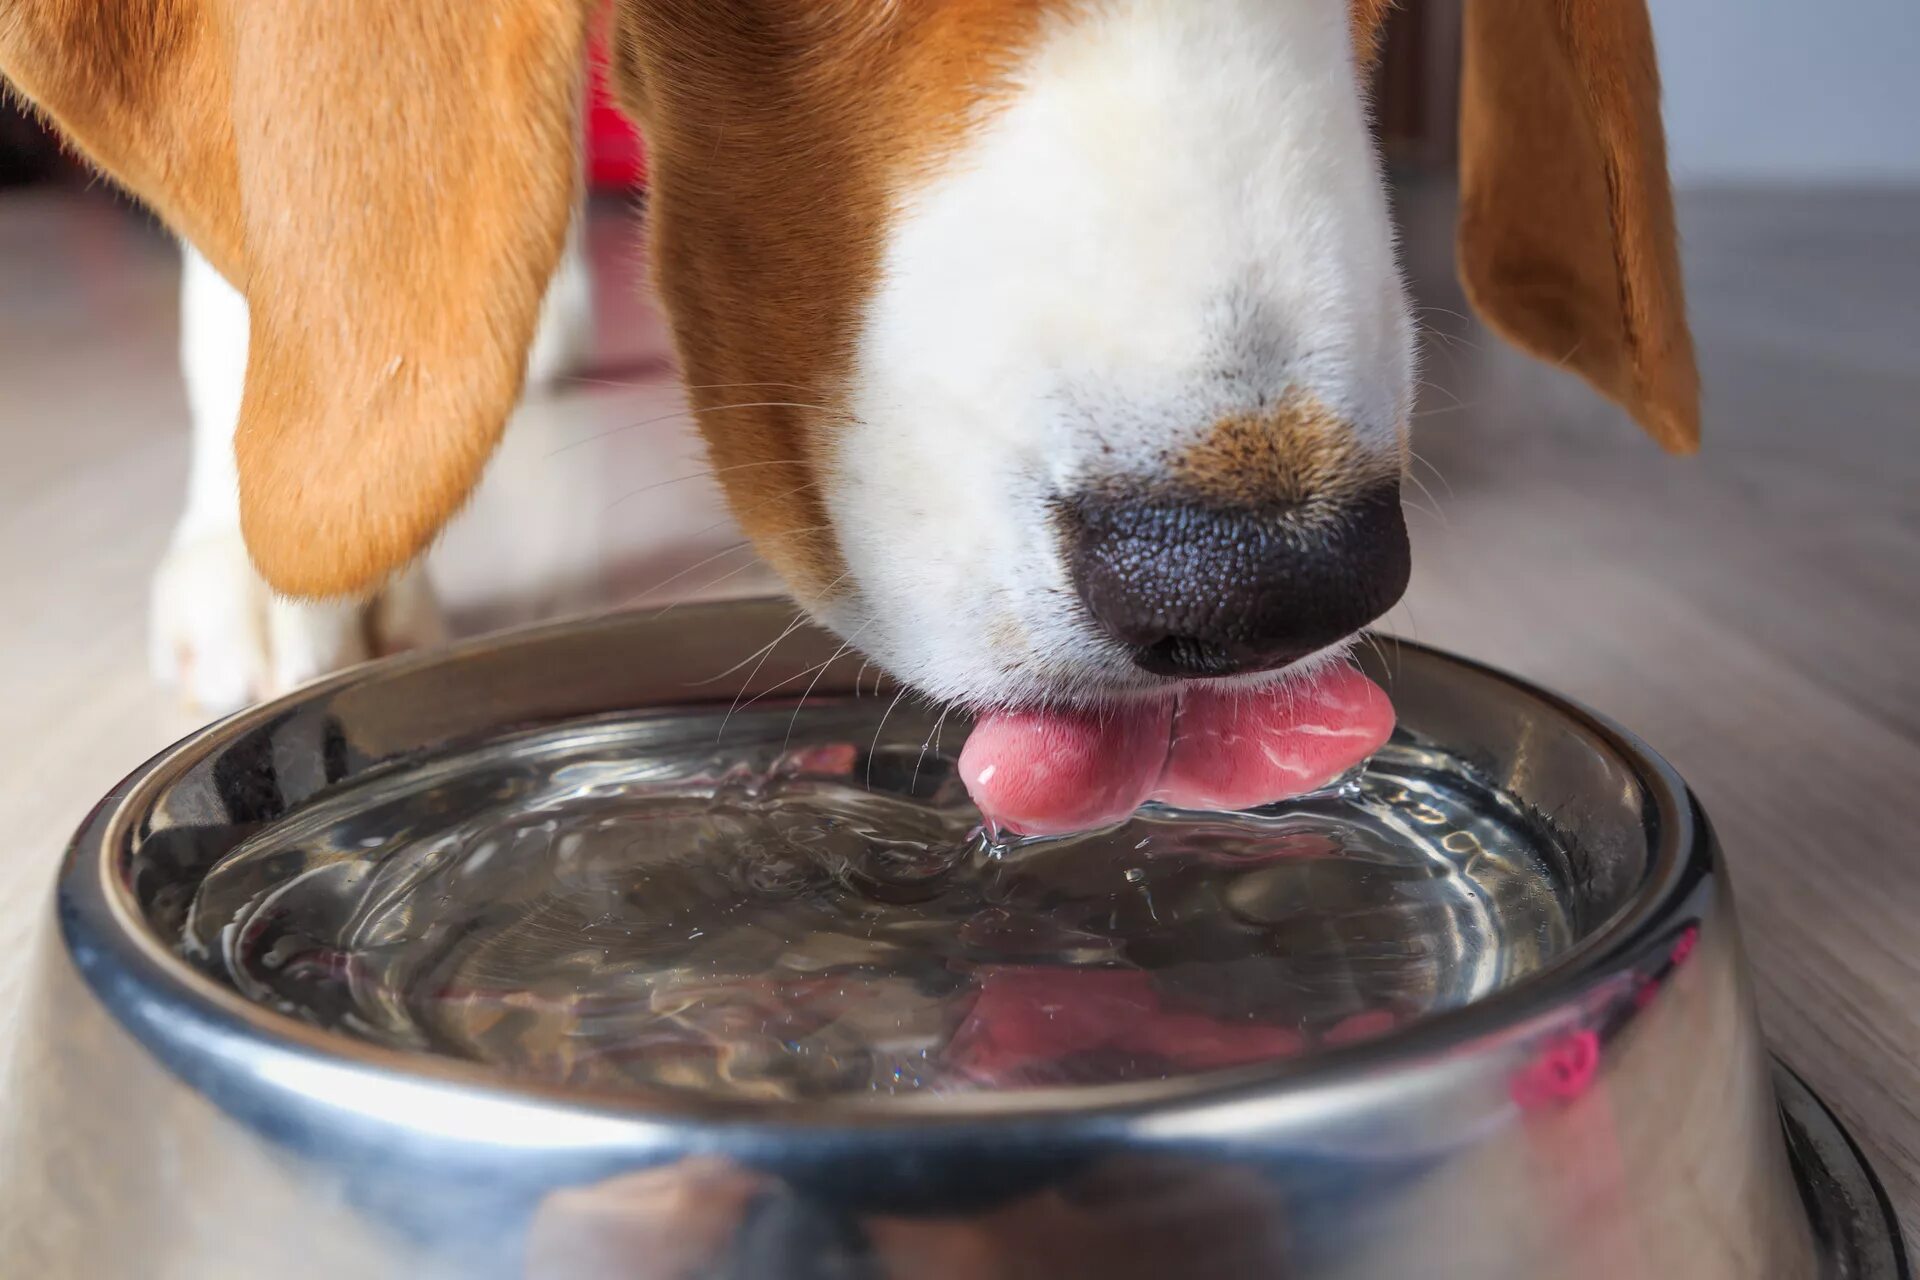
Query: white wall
x,y
1794,90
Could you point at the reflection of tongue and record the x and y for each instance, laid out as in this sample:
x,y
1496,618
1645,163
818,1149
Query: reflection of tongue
x,y
1045,772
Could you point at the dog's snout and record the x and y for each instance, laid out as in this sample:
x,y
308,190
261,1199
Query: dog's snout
x,y
1195,590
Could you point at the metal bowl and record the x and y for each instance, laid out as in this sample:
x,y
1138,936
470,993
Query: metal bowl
x,y
1612,1113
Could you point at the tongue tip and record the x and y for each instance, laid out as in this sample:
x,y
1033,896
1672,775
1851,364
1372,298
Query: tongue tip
x,y
1035,772
1053,772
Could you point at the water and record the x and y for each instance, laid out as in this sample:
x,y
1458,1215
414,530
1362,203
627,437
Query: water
x,y
808,916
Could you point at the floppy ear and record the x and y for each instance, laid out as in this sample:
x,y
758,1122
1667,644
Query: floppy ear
x,y
1567,244
388,181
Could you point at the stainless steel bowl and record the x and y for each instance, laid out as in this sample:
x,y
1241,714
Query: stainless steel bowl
x,y
1612,1115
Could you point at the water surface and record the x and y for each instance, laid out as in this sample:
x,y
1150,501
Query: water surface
x,y
798,912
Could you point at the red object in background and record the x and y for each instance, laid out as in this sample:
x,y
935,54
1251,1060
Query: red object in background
x,y
616,158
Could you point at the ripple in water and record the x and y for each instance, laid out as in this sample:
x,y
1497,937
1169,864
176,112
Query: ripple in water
x,y
617,905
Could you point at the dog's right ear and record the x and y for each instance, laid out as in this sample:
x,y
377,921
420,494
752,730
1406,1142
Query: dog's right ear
x,y
387,181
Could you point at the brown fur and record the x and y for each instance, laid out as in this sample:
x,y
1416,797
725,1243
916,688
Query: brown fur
x,y
1369,22
1567,244
1300,452
143,89
388,182
779,130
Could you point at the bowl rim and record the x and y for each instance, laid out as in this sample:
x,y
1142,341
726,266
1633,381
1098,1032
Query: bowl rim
x,y
178,1012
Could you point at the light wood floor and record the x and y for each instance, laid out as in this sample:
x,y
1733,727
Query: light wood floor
x,y
1753,613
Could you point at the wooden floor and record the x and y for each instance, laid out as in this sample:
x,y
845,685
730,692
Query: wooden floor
x,y
1753,613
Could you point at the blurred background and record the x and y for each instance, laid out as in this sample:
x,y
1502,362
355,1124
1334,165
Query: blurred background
x,y
1754,613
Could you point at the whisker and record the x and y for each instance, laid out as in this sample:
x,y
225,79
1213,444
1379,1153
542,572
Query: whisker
x,y
765,652
688,413
1444,409
733,517
1433,504
799,617
705,473
736,386
1421,508
754,674
743,545
1461,338
656,588
709,585
816,670
1373,644
878,730
1413,621
1448,392
617,384
614,431
1445,483
1451,339
845,645
945,710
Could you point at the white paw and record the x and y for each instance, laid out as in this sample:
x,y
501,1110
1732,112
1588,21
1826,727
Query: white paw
x,y
221,637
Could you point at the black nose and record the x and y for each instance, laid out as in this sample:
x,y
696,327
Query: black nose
x,y
1194,590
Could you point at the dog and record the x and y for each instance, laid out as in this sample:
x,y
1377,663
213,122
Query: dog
x,y
1082,361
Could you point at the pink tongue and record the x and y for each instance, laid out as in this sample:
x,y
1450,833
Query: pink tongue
x,y
1047,772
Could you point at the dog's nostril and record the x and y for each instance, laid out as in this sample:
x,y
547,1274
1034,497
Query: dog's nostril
x,y
1186,656
1195,591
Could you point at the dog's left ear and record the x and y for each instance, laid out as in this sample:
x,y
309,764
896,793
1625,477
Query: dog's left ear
x,y
1567,245
388,182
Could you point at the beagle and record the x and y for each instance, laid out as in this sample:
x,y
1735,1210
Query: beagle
x,y
1094,360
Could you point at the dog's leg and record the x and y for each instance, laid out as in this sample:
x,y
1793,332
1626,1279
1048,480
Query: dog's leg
x,y
563,343
218,634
